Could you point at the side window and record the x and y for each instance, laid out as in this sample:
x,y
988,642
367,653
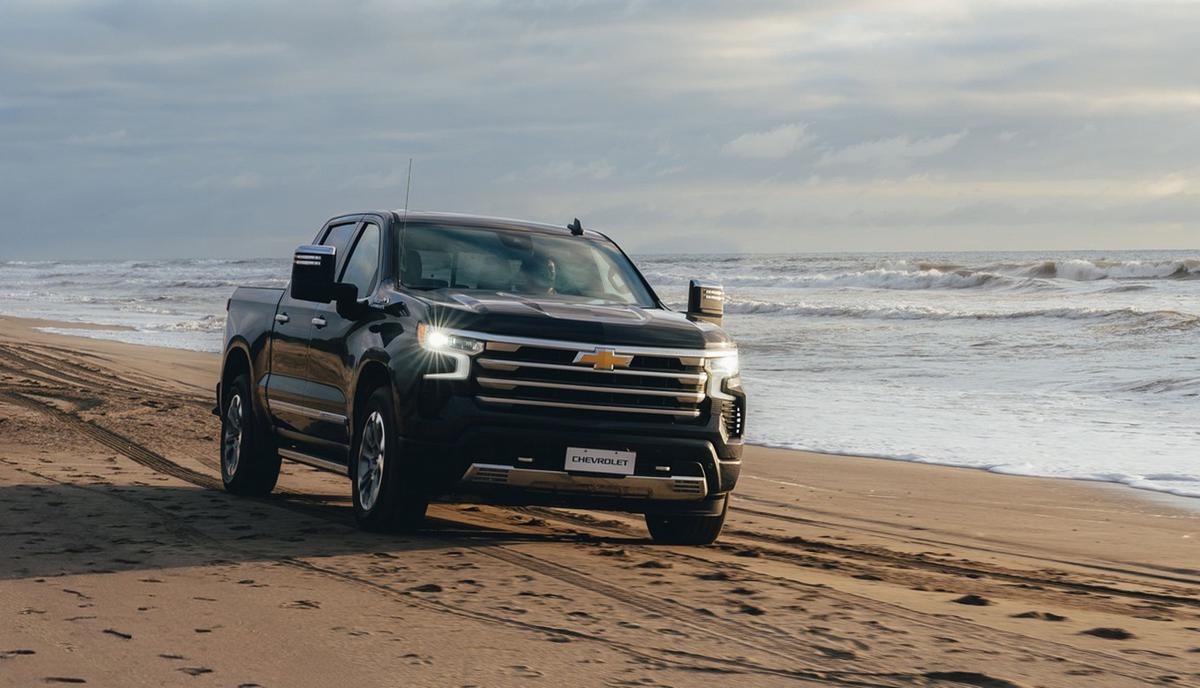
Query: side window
x,y
363,264
339,236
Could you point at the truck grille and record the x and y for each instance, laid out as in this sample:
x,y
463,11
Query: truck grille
x,y
542,377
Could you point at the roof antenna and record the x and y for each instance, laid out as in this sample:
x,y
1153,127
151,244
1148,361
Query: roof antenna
x,y
575,227
407,189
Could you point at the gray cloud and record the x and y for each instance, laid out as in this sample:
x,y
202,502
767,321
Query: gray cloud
x,y
779,142
155,129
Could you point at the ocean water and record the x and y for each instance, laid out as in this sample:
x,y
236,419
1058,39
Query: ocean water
x,y
1080,365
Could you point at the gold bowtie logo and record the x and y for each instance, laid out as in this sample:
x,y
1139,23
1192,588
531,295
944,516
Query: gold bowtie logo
x,y
603,359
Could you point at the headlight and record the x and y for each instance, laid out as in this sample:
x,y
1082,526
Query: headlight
x,y
454,346
724,365
442,342
720,369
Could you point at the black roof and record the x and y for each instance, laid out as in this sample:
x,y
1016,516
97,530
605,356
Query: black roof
x,y
468,220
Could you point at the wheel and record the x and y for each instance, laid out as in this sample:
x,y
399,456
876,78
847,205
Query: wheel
x,y
687,529
386,494
249,461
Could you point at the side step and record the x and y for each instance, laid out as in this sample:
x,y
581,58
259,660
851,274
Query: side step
x,y
315,462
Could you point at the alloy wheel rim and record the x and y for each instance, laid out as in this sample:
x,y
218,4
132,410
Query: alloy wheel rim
x,y
231,443
371,454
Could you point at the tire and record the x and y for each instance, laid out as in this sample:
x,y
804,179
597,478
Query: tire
x,y
687,529
387,496
249,461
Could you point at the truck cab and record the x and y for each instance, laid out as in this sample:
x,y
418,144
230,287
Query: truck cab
x,y
434,356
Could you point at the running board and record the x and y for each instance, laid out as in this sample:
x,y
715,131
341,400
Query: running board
x,y
314,461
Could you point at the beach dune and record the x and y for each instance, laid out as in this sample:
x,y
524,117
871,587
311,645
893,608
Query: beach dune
x,y
125,564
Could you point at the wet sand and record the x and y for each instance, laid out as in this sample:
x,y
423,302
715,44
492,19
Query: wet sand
x,y
125,564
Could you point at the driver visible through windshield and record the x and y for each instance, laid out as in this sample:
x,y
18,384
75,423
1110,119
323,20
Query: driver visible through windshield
x,y
529,264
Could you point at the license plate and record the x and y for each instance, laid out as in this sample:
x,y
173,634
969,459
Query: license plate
x,y
600,460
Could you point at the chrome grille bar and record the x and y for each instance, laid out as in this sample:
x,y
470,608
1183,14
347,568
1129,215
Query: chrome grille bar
x,y
651,410
498,383
697,379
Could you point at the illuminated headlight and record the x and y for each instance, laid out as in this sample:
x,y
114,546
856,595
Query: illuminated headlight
x,y
720,369
455,346
442,342
725,365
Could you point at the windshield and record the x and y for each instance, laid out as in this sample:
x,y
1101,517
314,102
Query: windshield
x,y
525,263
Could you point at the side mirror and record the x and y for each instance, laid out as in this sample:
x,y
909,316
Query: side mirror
x,y
706,301
312,273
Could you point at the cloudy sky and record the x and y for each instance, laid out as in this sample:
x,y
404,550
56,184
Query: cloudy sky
x,y
163,129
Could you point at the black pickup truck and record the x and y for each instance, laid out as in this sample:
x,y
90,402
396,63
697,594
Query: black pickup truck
x,y
463,358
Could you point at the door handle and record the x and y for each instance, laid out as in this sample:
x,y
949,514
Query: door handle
x,y
318,321
281,318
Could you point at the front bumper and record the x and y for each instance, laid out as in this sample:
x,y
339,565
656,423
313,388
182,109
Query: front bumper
x,y
524,465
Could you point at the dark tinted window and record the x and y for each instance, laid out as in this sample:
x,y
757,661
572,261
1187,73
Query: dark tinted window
x,y
340,236
528,263
363,264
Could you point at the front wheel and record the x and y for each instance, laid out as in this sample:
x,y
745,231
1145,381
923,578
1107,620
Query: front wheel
x,y
249,462
386,494
687,529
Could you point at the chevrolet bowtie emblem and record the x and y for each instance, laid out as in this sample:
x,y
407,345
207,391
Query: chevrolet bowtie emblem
x,y
603,359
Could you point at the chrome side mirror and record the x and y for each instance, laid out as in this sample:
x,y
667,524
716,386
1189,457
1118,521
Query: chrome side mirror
x,y
706,301
312,273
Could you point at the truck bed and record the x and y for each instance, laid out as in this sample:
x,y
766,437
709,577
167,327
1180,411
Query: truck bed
x,y
252,313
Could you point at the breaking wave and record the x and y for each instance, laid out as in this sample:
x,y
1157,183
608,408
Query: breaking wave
x,y
1144,319
879,278
1090,271
894,274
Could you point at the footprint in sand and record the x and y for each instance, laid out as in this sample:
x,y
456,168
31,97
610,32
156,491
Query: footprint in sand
x,y
1108,633
973,601
751,610
119,634
654,564
64,679
1044,616
970,678
301,604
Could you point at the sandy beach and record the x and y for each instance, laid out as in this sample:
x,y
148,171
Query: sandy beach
x,y
126,564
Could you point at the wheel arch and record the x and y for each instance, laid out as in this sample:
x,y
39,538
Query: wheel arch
x,y
237,360
373,372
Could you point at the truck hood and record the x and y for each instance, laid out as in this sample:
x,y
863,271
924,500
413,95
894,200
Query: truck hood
x,y
611,324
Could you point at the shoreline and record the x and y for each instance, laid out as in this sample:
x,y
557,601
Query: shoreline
x,y
1168,496
1185,501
